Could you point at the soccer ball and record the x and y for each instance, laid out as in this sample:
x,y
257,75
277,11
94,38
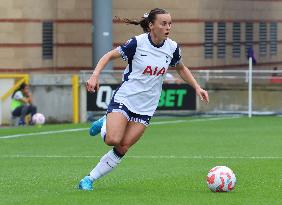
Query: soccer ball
x,y
221,179
38,119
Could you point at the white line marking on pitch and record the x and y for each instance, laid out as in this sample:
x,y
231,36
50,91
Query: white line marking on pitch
x,y
194,120
145,157
42,133
83,129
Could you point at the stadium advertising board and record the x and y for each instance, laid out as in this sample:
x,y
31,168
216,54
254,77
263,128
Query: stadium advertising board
x,y
173,97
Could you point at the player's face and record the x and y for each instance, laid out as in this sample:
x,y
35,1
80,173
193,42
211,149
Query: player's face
x,y
161,26
26,90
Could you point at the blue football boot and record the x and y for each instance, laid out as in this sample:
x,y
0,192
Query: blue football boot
x,y
86,184
96,126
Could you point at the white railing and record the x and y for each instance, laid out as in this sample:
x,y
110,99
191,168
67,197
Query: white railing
x,y
236,74
230,89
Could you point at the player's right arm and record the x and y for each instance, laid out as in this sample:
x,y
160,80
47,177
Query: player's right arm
x,y
92,84
24,100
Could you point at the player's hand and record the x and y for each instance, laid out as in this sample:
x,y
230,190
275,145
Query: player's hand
x,y
92,84
203,94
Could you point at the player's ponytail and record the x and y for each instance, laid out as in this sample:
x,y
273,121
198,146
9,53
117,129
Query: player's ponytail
x,y
22,86
145,20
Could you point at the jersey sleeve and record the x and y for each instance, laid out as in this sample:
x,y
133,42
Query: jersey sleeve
x,y
176,57
128,49
18,95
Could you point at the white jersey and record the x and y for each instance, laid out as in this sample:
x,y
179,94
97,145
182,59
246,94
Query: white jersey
x,y
18,95
143,77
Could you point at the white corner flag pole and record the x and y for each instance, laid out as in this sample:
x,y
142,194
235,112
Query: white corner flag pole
x,y
250,87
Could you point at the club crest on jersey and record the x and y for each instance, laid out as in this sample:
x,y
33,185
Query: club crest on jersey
x,y
156,71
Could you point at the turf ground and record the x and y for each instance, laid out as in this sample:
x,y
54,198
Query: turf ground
x,y
167,166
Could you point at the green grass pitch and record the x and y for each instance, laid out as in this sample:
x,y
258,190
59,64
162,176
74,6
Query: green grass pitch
x,y
167,166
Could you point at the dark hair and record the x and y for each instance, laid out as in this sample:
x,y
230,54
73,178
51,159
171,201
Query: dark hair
x,y
22,86
144,22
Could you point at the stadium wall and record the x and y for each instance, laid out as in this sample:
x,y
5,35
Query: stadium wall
x,y
21,31
52,94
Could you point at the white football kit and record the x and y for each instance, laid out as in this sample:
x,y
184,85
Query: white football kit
x,y
143,77
138,96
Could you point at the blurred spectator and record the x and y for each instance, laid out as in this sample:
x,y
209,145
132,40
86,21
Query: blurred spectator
x,y
170,79
21,104
274,74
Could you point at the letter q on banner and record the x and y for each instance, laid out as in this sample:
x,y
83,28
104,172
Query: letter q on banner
x,y
107,90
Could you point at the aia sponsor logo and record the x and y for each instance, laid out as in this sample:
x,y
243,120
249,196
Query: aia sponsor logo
x,y
154,71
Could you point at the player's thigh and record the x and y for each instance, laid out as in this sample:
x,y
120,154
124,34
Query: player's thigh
x,y
18,111
133,133
115,126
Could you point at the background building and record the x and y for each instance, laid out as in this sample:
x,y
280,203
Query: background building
x,y
55,35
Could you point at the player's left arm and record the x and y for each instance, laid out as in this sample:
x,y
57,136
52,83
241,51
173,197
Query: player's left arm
x,y
187,76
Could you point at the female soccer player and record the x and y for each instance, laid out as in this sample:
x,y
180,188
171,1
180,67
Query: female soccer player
x,y
133,104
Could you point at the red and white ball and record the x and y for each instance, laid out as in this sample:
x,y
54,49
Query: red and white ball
x,y
221,179
38,119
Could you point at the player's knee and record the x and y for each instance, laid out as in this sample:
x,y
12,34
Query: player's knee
x,y
112,140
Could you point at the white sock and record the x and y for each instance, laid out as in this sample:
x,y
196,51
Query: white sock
x,y
107,163
103,130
